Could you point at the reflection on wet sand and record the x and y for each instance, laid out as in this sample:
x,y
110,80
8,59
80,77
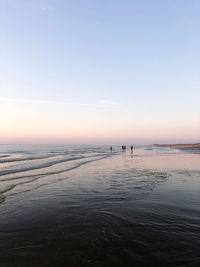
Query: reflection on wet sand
x,y
120,210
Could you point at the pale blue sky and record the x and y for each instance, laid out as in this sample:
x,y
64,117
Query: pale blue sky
x,y
130,67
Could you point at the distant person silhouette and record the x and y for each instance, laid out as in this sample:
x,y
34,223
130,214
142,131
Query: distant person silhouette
x,y
131,149
123,148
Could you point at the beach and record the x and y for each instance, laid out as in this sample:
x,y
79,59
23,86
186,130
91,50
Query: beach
x,y
193,147
88,206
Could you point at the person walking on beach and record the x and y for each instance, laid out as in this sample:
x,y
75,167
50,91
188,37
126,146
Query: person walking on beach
x,y
123,148
131,149
110,148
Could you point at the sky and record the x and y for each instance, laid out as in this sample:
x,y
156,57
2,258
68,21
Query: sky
x,y
99,72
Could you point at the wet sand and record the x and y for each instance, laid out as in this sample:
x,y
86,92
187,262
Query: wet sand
x,y
119,210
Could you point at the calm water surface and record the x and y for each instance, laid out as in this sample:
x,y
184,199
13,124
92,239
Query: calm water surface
x,y
87,206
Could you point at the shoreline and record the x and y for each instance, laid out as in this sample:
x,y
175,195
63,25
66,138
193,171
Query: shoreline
x,y
178,145
195,147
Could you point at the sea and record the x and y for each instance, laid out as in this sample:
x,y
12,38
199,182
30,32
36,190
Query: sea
x,y
64,205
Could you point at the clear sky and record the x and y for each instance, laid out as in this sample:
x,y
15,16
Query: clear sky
x,y
93,71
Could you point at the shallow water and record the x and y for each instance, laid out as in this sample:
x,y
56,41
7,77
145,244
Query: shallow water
x,y
86,206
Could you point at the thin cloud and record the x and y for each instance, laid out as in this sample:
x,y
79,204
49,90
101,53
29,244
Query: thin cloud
x,y
44,6
100,104
108,102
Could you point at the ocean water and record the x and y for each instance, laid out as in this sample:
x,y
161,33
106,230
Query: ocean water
x,y
88,206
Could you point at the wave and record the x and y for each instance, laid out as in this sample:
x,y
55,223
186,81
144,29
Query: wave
x,y
4,156
25,158
22,180
34,165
